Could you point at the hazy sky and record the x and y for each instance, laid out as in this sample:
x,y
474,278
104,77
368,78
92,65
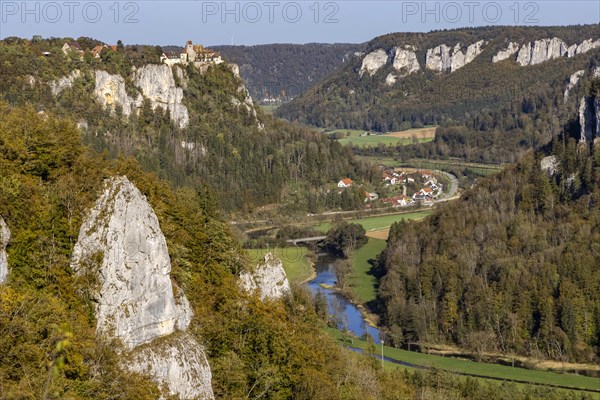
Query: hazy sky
x,y
258,22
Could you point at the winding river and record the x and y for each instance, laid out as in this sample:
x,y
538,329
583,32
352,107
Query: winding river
x,y
347,315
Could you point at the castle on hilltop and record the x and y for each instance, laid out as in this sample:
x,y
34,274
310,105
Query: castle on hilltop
x,y
191,53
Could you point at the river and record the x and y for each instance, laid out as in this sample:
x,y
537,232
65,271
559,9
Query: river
x,y
347,315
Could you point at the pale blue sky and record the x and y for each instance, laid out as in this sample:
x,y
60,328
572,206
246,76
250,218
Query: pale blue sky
x,y
259,22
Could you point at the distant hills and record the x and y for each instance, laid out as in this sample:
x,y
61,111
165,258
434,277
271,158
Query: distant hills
x,y
284,71
410,79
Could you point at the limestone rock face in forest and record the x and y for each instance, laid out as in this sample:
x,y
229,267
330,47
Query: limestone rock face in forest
x,y
445,58
4,238
547,49
589,119
405,60
158,85
121,243
373,62
57,86
511,49
110,92
268,277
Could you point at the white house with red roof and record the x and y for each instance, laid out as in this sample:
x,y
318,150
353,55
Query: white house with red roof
x,y
345,183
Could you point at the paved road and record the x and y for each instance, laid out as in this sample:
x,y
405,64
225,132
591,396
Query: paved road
x,y
449,195
307,239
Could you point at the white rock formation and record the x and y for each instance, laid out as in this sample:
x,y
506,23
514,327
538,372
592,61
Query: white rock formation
x,y
549,164
405,60
182,77
373,62
4,238
57,86
158,85
179,364
268,277
511,49
548,49
110,92
444,58
248,105
121,242
573,79
589,119
390,79
235,69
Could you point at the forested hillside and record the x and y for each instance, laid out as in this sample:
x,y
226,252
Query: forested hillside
x,y
283,71
399,83
511,267
248,158
48,344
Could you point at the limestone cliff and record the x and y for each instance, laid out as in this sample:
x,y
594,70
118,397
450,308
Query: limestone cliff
x,y
121,243
4,238
547,49
405,60
110,92
57,86
589,120
573,79
445,58
373,62
268,277
511,49
158,85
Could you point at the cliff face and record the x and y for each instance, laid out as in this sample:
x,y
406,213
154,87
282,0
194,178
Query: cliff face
x,y
4,238
121,243
544,50
589,120
511,49
573,80
158,85
445,58
269,278
373,62
110,92
405,60
57,86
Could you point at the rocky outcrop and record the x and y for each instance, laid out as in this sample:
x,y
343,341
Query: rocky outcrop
x,y
541,50
548,49
121,243
573,79
177,363
269,278
444,58
248,105
58,86
110,91
511,49
405,61
4,238
158,85
373,62
589,120
390,79
549,165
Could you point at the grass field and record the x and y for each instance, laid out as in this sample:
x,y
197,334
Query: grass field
x,y
421,135
378,222
362,284
442,165
269,109
296,261
471,367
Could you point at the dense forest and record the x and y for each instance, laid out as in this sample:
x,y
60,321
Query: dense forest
x,y
246,166
511,267
347,100
285,71
273,350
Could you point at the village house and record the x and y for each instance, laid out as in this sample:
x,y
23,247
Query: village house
x,y
96,51
345,183
398,201
371,196
72,47
426,174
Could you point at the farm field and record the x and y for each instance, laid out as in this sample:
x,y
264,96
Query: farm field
x,y
462,366
442,165
296,261
362,283
421,135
